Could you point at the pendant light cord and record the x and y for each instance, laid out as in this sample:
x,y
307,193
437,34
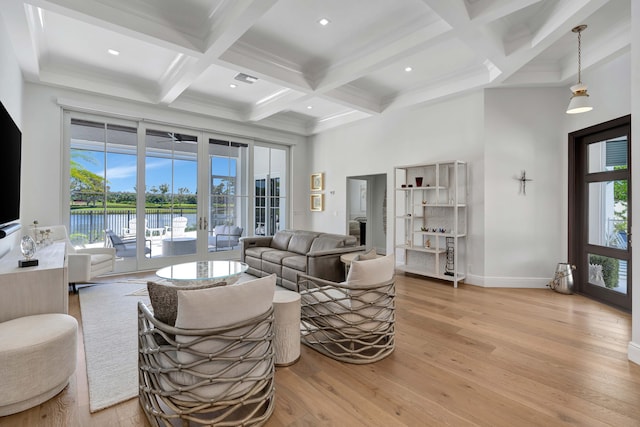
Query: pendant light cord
x,y
579,57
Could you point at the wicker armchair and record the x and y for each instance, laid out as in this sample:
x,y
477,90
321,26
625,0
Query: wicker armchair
x,y
347,322
217,376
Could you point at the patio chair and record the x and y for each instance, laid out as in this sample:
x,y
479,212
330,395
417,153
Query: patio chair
x,y
352,321
225,237
152,233
126,247
84,263
216,365
178,226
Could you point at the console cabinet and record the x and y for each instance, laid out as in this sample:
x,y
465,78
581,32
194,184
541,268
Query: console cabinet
x,y
34,290
430,209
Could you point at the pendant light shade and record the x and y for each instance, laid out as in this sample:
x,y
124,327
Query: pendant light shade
x,y
580,99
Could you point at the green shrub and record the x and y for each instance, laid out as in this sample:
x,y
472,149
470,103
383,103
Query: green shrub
x,y
610,268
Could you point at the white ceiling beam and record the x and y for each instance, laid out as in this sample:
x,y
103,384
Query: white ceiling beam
x,y
19,22
489,11
226,28
560,23
330,122
354,98
276,104
244,57
105,16
474,79
615,42
382,56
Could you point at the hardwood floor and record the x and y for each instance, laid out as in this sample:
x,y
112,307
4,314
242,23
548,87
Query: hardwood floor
x,y
464,357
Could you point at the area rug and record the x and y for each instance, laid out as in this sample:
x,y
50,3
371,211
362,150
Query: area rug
x,y
110,329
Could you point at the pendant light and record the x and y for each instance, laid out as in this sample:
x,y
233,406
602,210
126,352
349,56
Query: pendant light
x,y
580,99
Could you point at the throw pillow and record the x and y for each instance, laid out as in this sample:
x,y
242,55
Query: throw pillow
x,y
366,256
224,305
164,299
369,272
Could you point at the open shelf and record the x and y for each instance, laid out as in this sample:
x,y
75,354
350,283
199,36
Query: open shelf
x,y
440,204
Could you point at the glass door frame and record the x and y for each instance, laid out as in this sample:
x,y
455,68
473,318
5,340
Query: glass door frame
x,y
578,209
271,176
140,262
124,264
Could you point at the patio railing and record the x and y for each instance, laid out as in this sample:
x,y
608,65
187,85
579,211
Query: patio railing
x,y
87,226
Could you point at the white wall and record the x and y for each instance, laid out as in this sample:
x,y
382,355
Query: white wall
x,y
43,145
11,95
449,130
634,345
514,240
523,233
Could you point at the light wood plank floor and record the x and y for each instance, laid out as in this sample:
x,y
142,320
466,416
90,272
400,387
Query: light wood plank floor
x,y
464,357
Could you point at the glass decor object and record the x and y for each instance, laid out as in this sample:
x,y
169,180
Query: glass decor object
x,y
28,247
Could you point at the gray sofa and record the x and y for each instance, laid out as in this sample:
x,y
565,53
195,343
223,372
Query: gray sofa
x,y
290,252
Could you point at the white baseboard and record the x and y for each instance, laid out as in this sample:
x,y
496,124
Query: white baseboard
x,y
507,282
633,352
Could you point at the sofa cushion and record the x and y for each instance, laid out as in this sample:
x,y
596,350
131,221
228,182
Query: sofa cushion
x,y
325,242
301,242
272,268
281,239
276,256
164,299
253,262
257,251
298,262
101,258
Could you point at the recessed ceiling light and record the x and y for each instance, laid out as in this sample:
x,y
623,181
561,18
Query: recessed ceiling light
x,y
323,21
309,107
232,86
113,52
407,69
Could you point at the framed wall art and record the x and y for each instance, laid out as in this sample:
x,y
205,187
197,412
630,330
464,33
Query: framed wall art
x,y
317,182
317,202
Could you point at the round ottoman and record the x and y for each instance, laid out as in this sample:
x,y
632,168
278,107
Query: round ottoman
x,y
286,313
37,357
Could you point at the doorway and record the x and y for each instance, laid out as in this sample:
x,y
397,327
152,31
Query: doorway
x,y
600,211
367,210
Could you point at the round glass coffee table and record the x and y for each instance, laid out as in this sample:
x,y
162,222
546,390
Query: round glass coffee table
x,y
202,272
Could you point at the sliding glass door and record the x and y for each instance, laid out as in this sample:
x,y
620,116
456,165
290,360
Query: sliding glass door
x,y
270,180
102,182
169,220
163,194
228,204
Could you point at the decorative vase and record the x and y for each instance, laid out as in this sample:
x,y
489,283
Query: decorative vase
x,y
28,247
418,181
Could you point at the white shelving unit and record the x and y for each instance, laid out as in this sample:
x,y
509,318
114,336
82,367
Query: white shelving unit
x,y
430,209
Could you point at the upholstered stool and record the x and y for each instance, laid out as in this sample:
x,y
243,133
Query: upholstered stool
x,y
286,313
37,357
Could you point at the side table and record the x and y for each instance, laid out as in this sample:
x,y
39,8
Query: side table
x,y
286,325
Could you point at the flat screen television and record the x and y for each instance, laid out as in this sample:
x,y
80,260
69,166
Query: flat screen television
x,y
11,154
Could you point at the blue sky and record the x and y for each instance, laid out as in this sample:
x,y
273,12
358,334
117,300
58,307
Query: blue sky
x,y
121,170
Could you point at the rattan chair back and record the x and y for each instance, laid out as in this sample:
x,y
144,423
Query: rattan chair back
x,y
355,325
222,376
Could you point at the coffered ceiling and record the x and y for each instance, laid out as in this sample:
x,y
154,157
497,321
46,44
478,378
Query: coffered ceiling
x,y
310,77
